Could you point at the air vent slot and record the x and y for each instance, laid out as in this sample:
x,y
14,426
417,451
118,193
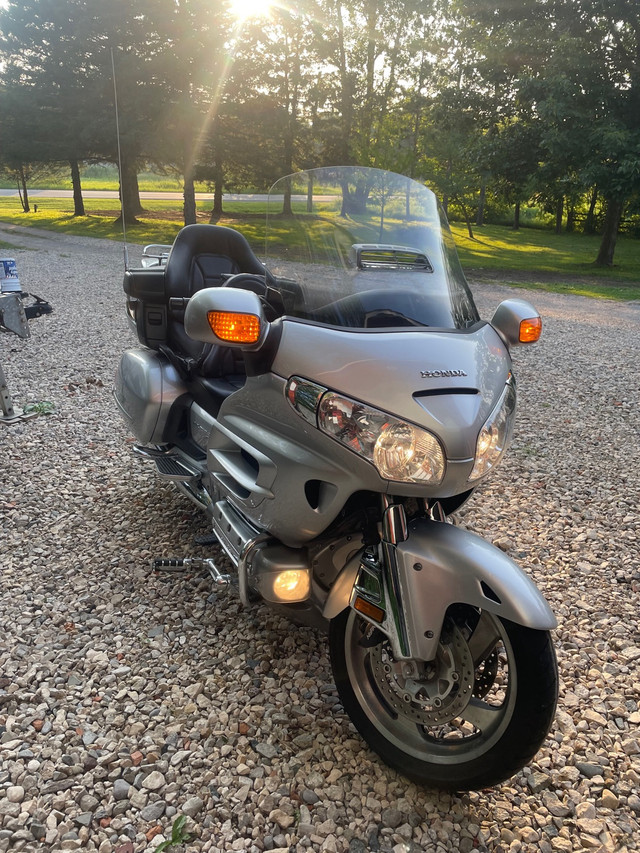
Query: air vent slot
x,y
439,392
319,494
489,593
378,256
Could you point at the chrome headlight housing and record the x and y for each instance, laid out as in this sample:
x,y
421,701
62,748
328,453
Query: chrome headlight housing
x,y
399,450
495,435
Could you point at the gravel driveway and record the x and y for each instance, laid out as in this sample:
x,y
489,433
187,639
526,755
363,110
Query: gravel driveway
x,y
127,700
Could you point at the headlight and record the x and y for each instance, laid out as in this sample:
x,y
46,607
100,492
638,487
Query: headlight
x,y
495,435
399,451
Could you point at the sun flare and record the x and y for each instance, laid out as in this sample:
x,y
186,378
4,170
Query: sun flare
x,y
244,9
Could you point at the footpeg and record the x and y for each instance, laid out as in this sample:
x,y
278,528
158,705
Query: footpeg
x,y
170,468
168,465
180,566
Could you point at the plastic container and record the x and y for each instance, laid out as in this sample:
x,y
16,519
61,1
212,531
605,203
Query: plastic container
x,y
9,281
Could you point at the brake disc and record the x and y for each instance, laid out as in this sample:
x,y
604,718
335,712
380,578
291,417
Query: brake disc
x,y
486,675
437,694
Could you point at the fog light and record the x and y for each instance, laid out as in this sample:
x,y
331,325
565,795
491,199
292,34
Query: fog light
x,y
292,585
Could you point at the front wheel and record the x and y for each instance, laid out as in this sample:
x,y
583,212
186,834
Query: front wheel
x,y
467,720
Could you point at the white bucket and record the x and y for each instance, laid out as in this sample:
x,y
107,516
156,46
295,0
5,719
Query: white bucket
x,y
9,281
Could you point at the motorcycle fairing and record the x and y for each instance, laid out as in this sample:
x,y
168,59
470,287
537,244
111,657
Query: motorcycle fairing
x,y
366,366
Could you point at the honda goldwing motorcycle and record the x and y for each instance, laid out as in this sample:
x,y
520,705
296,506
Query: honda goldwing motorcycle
x,y
329,409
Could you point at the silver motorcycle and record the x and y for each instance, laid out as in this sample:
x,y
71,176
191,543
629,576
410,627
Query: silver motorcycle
x,y
329,409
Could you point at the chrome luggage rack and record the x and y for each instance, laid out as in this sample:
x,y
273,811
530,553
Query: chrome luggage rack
x,y
155,255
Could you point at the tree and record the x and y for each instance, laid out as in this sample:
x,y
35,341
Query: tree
x,y
591,78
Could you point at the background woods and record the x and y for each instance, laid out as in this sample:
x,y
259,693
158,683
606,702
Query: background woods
x,y
498,106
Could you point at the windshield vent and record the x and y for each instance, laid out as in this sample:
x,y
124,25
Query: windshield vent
x,y
377,256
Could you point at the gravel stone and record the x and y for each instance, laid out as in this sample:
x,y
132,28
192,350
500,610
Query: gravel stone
x,y
392,818
153,811
154,781
15,794
111,676
589,770
121,789
192,806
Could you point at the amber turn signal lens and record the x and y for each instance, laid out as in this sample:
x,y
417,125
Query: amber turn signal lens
x,y
235,328
530,330
369,609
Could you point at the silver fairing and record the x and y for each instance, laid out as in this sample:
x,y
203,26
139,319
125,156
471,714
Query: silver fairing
x,y
292,479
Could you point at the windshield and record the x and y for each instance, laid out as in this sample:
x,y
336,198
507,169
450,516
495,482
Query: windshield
x,y
364,248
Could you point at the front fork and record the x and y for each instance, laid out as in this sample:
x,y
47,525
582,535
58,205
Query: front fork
x,y
377,592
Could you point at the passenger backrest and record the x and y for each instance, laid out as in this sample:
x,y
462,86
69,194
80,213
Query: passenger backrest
x,y
202,256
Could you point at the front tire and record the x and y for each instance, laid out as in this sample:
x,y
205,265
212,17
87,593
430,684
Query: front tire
x,y
468,720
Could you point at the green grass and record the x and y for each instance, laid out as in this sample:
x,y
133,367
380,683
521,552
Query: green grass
x,y
527,250
543,260
105,178
526,258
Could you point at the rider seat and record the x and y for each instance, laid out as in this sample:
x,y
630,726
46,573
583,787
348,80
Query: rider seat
x,y
202,256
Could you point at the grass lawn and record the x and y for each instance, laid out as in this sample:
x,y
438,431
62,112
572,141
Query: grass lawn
x,y
527,258
98,177
539,259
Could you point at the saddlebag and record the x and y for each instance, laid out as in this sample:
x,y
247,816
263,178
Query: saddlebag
x,y
146,387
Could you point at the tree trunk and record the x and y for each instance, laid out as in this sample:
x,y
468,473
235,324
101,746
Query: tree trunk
x,y
344,209
445,197
135,193
286,201
189,194
129,193
22,190
516,217
78,201
218,181
610,233
482,200
559,213
310,195
571,218
589,223
346,91
465,213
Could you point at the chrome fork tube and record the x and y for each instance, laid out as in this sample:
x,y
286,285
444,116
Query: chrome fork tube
x,y
394,530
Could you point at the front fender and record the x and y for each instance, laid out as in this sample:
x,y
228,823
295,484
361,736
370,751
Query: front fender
x,y
440,565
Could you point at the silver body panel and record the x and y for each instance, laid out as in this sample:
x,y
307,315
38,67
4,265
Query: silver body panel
x,y
459,567
146,387
384,369
287,454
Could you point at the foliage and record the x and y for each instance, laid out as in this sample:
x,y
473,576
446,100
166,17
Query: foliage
x,y
179,835
453,92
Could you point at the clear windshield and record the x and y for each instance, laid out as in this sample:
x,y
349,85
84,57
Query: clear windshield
x,y
364,248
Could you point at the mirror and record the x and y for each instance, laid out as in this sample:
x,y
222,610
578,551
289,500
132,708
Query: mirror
x,y
517,322
226,316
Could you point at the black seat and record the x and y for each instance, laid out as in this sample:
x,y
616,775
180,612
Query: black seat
x,y
202,256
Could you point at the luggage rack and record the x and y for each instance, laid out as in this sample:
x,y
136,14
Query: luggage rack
x,y
155,255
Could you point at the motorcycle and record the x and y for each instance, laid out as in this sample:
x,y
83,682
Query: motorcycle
x,y
329,409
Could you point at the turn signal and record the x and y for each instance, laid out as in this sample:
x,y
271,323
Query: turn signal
x,y
235,328
530,330
369,609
